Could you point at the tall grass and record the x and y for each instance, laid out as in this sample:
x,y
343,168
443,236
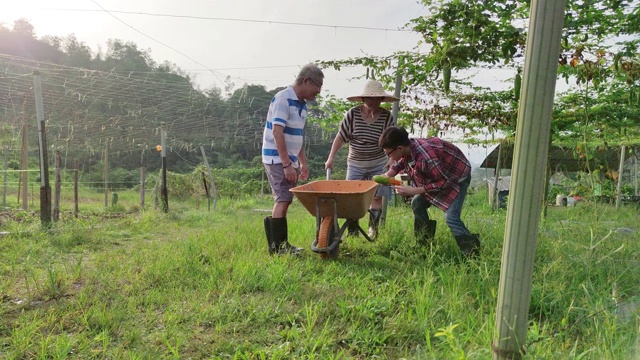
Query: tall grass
x,y
198,284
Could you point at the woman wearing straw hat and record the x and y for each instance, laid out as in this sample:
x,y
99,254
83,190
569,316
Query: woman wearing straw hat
x,y
361,128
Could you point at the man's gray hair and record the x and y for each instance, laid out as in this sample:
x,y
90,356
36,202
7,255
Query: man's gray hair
x,y
309,71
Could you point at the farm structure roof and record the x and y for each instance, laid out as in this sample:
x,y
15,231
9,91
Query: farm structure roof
x,y
561,158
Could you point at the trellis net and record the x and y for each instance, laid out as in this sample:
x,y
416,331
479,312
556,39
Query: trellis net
x,y
88,111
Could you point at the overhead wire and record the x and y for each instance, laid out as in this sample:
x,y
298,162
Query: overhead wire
x,y
156,40
237,19
212,71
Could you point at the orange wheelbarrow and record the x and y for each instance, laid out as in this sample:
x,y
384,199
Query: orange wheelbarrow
x,y
329,200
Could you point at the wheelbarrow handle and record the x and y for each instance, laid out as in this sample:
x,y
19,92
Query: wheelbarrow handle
x,y
328,173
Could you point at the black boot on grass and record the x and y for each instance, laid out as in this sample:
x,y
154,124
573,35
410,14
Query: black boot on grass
x,y
469,246
424,231
277,234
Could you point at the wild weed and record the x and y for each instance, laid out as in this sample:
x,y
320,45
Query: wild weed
x,y
195,283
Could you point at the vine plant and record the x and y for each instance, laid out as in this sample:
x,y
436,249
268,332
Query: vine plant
x,y
599,53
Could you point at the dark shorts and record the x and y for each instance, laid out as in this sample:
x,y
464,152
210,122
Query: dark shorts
x,y
367,173
279,184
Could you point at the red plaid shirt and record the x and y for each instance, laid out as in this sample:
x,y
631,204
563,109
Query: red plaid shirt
x,y
438,166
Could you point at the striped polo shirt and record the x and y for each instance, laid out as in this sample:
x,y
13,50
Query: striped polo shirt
x,y
363,137
287,111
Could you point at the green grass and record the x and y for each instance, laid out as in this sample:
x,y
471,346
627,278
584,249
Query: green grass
x,y
197,284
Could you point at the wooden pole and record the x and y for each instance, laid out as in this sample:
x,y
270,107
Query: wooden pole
x,y
142,188
45,188
75,188
635,171
143,178
213,185
24,162
529,163
395,109
623,150
105,174
498,170
57,186
164,193
4,177
206,191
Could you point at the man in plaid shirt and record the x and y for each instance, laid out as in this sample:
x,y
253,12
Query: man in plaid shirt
x,y
441,175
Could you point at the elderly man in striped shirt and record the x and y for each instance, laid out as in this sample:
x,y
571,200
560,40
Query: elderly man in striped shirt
x,y
282,152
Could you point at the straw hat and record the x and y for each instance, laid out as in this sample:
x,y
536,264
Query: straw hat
x,y
373,88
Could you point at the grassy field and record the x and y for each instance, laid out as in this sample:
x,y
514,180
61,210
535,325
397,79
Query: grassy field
x,y
193,284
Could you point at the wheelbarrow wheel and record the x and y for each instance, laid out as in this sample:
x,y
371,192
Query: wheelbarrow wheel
x,y
326,237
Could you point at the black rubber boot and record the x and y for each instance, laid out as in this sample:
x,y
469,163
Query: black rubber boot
x,y
424,231
267,229
374,221
469,245
279,235
352,228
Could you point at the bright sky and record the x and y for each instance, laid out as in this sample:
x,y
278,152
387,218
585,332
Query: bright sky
x,y
258,44
233,48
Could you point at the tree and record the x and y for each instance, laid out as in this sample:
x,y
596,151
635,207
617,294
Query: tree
x,y
126,56
23,28
459,35
78,53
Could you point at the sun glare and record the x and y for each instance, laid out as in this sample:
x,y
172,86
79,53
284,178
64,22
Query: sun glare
x,y
30,10
12,12
39,13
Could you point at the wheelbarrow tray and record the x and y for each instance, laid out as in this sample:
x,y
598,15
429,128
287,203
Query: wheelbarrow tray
x,y
351,197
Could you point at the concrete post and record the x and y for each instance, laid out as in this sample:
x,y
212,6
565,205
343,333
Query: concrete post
x,y
527,177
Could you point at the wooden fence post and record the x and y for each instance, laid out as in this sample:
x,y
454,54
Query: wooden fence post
x,y
45,187
105,175
24,163
623,150
75,188
57,187
213,185
4,177
142,187
496,172
164,193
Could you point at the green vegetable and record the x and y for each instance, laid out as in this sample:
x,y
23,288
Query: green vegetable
x,y
446,76
385,180
517,84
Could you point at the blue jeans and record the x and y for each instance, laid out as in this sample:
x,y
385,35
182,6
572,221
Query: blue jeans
x,y
419,205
